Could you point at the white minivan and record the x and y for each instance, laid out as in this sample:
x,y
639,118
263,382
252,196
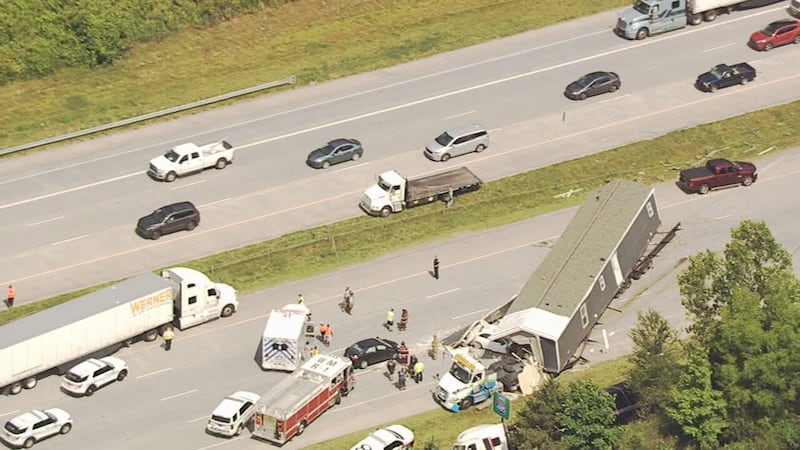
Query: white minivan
x,y
458,141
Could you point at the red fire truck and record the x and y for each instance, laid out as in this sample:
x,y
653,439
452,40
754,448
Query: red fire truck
x,y
286,409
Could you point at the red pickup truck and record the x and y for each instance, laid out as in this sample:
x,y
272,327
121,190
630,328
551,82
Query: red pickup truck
x,y
717,173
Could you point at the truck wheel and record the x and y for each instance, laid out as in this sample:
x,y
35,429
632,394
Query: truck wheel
x,y
480,148
703,189
121,376
445,157
338,399
65,428
221,163
695,19
191,226
15,388
90,390
747,181
326,164
642,33
465,404
30,382
386,211
170,177
227,311
709,16
301,427
238,430
150,336
29,442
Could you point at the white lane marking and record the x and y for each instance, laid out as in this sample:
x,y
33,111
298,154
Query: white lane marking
x,y
214,202
722,217
187,185
470,313
9,413
459,115
311,106
179,395
348,168
717,48
443,293
420,101
52,219
353,405
225,442
154,373
197,419
495,130
70,240
614,99
67,191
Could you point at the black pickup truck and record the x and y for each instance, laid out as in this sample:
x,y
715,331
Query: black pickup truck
x,y
723,75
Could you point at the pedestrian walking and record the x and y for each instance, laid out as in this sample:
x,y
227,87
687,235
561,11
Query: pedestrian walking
x,y
401,379
390,366
402,353
390,319
403,320
301,300
436,267
349,297
10,297
328,335
418,369
169,335
314,351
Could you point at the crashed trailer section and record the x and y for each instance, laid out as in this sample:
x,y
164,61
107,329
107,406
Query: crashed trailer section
x,y
572,287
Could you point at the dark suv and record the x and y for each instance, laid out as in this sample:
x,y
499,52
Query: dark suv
x,y
168,219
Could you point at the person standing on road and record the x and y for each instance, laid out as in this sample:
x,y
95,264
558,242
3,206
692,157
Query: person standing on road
x,y
401,378
403,320
301,300
169,335
314,351
322,329
390,319
348,300
10,297
418,369
328,335
402,353
390,366
436,267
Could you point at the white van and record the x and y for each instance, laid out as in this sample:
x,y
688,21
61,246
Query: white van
x,y
458,141
483,437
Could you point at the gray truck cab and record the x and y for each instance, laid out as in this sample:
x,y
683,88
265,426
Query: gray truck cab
x,y
648,17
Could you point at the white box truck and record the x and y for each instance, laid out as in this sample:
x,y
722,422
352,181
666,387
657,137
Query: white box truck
x,y
55,339
284,337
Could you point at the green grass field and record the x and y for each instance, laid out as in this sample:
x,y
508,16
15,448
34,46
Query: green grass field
x,y
316,40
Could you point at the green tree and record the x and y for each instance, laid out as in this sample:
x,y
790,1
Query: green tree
x,y
654,366
536,424
587,418
697,408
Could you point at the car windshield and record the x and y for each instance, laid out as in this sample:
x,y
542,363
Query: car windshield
x,y
220,419
74,377
444,139
770,29
356,349
172,155
159,215
585,80
13,429
717,71
461,374
384,185
327,150
642,7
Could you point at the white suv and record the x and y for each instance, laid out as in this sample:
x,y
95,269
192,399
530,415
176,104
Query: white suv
x,y
88,376
233,413
33,426
393,437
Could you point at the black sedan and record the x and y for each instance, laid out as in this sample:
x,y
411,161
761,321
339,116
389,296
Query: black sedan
x,y
370,351
594,83
335,152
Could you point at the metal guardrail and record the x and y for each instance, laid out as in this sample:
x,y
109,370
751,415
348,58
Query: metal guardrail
x,y
148,116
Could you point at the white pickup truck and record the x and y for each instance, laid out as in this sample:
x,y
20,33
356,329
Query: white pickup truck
x,y
187,158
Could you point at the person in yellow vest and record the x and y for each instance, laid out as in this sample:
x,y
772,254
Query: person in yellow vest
x,y
169,335
300,299
418,369
389,319
314,351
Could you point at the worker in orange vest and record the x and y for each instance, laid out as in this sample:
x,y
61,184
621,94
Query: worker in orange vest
x,y
402,353
322,330
328,335
11,296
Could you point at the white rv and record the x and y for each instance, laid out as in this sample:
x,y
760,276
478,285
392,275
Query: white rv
x,y
283,341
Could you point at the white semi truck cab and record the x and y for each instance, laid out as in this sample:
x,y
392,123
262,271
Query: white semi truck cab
x,y
199,299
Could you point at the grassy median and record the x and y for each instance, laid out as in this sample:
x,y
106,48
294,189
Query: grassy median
x,y
323,249
316,40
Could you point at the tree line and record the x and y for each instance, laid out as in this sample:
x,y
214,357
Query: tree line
x,y
38,37
733,381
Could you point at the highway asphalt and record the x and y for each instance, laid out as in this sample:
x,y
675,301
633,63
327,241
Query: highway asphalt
x,y
165,401
69,212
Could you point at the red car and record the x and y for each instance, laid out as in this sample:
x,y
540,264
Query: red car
x,y
776,34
